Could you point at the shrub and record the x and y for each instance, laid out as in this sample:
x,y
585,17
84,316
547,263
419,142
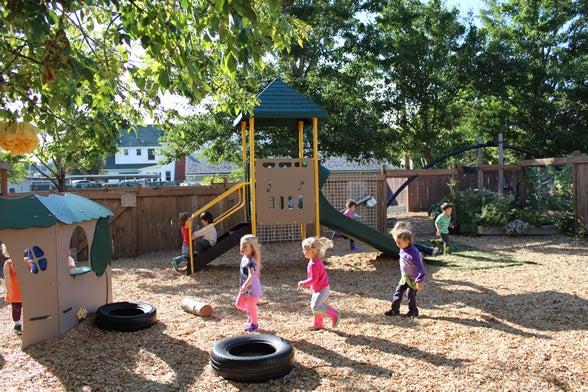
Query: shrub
x,y
550,194
497,210
549,200
481,207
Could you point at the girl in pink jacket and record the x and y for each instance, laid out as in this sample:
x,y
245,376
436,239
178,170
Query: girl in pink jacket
x,y
314,250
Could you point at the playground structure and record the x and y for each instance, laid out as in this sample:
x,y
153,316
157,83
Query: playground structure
x,y
46,227
282,190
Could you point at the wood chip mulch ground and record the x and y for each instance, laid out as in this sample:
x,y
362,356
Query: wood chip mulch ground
x,y
518,328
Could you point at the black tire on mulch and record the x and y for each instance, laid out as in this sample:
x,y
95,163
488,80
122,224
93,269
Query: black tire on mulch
x,y
252,358
125,316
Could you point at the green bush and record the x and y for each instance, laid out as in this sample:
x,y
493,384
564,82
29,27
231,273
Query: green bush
x,y
549,200
550,195
496,212
533,217
481,207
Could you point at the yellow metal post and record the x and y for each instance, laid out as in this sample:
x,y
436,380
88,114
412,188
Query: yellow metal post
x,y
252,176
244,163
301,156
244,144
316,177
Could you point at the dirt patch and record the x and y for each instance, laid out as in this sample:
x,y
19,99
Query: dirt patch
x,y
519,328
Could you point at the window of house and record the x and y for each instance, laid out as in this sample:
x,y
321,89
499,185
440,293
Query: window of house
x,y
168,176
126,151
138,151
151,154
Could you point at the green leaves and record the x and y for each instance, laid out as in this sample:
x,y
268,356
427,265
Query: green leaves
x,y
88,66
534,73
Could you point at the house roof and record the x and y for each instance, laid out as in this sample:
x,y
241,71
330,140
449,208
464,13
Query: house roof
x,y
144,136
281,105
340,164
196,166
46,211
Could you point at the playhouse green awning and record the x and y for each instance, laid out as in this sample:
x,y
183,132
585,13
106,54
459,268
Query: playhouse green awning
x,y
281,105
45,211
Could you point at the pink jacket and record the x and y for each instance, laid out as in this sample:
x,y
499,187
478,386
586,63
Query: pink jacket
x,y
317,275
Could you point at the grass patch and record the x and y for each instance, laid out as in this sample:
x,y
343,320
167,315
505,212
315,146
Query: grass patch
x,y
464,257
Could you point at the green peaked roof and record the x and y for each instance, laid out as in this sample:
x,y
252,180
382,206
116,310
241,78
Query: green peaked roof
x,y
281,105
44,211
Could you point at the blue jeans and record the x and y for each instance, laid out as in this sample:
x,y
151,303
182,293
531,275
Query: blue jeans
x,y
424,249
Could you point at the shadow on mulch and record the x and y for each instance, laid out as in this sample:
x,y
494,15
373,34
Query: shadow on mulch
x,y
114,355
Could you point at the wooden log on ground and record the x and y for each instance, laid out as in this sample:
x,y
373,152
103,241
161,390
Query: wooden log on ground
x,y
196,307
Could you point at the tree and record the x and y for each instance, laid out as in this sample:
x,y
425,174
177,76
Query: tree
x,y
418,50
211,133
533,74
18,172
325,69
79,68
330,70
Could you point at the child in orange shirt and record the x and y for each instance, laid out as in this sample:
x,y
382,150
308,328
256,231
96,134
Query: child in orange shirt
x,y
12,290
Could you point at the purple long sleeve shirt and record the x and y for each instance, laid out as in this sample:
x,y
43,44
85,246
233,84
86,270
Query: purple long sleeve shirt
x,y
411,263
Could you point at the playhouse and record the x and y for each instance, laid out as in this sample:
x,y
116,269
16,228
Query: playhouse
x,y
46,229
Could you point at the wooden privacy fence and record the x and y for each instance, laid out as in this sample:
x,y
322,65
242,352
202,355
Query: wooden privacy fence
x,y
431,185
146,219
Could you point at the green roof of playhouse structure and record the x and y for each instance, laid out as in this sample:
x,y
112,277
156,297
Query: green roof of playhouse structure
x,y
45,211
281,105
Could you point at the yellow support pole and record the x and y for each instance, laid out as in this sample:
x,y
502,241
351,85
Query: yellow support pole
x,y
301,156
244,144
244,163
252,176
316,177
300,139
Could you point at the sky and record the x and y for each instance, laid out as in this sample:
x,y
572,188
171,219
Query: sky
x,y
465,5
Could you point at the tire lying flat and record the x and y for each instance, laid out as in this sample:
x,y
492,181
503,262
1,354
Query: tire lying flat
x,y
125,316
252,358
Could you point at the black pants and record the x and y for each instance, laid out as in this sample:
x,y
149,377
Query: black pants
x,y
200,244
445,239
411,295
16,311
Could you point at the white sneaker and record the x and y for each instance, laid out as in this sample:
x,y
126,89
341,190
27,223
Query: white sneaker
x,y
435,251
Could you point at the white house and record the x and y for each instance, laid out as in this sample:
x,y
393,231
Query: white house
x,y
137,157
138,153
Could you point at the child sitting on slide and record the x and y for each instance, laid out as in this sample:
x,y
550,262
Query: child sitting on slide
x,y
205,238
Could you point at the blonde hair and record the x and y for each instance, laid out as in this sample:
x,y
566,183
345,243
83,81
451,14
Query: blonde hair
x,y
4,250
402,231
320,245
252,240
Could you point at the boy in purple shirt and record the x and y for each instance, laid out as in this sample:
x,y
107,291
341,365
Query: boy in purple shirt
x,y
413,274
